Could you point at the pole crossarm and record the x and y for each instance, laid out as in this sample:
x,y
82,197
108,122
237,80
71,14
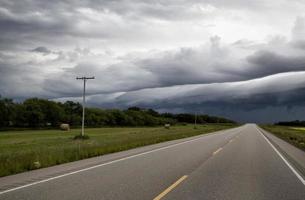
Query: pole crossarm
x,y
85,78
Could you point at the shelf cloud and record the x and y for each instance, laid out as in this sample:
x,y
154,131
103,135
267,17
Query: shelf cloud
x,y
214,57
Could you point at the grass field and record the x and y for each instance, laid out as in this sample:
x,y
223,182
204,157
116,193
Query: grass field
x,y
299,128
293,135
19,150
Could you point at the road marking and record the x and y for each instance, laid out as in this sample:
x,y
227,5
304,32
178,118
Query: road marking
x,y
170,188
283,158
218,150
231,140
112,162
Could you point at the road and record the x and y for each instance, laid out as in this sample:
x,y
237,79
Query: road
x,y
234,164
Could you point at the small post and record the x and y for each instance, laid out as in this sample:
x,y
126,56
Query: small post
x,y
84,101
195,123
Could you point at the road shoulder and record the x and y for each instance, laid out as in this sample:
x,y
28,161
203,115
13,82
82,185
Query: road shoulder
x,y
294,155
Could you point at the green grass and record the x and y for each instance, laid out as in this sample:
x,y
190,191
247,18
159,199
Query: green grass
x,y
26,150
293,135
299,128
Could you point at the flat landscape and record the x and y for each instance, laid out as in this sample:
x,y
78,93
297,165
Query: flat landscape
x,y
239,163
152,100
26,150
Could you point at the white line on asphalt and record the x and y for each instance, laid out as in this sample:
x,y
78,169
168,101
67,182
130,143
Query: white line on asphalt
x,y
283,158
218,150
107,163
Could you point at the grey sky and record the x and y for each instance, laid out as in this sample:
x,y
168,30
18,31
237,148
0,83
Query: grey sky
x,y
241,59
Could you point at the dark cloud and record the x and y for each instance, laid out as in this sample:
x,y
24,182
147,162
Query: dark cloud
x,y
212,63
43,50
27,21
267,63
176,55
284,91
21,82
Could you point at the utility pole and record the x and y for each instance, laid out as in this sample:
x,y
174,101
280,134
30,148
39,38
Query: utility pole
x,y
195,124
84,101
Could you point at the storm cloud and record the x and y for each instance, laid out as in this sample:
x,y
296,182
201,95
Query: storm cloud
x,y
244,60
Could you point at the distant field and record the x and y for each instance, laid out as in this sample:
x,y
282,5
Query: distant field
x,y
299,128
19,150
293,135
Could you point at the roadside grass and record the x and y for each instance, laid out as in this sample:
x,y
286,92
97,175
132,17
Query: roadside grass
x,y
293,135
27,150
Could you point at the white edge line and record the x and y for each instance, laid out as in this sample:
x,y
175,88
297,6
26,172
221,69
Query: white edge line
x,y
283,158
218,150
107,163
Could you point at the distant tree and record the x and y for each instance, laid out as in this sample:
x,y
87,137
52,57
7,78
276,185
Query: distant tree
x,y
168,115
6,111
153,113
53,112
185,117
134,108
36,112
291,123
96,117
73,112
33,112
20,117
121,119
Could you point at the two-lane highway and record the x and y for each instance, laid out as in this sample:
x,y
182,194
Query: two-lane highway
x,y
233,164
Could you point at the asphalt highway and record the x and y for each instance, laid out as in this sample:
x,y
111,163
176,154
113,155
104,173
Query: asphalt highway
x,y
239,163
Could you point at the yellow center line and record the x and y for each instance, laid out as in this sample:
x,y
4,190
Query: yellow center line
x,y
217,151
170,188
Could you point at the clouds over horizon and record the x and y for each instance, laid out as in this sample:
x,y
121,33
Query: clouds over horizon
x,y
211,56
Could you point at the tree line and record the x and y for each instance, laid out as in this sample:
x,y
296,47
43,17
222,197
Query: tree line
x,y
43,113
291,123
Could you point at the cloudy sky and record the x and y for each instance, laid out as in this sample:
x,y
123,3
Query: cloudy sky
x,y
241,59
